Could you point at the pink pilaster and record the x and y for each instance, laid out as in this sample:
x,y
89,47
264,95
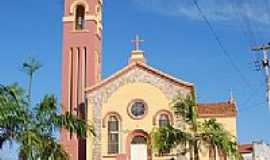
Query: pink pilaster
x,y
80,68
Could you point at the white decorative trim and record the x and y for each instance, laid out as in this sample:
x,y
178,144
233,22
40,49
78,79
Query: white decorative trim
x,y
76,3
90,18
87,18
100,2
139,65
99,20
68,19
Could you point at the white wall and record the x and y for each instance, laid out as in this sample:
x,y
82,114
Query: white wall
x,y
261,151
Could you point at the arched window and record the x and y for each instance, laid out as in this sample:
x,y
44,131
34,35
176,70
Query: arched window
x,y
79,17
139,140
164,120
163,117
113,135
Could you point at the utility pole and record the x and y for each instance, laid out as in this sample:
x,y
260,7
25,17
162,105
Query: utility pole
x,y
265,65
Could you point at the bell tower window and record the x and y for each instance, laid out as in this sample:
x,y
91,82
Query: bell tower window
x,y
80,17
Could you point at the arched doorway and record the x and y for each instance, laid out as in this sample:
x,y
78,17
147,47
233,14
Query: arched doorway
x,y
139,146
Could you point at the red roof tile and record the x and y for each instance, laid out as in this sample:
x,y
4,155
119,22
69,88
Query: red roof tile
x,y
245,148
223,109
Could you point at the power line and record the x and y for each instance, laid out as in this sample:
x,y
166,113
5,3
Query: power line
x,y
263,11
250,97
246,23
252,36
224,51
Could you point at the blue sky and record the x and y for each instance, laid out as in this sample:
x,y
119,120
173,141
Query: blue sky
x,y
177,41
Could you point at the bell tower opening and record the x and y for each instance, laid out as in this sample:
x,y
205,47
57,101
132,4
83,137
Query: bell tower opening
x,y
80,17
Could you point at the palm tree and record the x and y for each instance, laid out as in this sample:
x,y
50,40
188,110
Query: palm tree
x,y
185,108
34,129
209,131
169,137
30,66
214,134
166,138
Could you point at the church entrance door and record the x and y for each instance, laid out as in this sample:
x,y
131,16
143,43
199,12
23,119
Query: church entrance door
x,y
139,148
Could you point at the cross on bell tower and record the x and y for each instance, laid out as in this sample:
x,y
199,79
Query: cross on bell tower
x,y
137,42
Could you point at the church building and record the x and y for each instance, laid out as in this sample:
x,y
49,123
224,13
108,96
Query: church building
x,y
126,106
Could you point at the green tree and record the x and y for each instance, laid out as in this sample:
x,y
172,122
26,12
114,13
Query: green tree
x,y
166,138
214,134
34,128
185,108
195,133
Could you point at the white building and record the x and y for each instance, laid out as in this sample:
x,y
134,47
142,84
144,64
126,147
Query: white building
x,y
258,150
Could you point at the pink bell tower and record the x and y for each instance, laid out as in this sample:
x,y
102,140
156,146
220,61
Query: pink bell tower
x,y
81,65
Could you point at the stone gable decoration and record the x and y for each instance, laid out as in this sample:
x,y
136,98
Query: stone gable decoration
x,y
134,75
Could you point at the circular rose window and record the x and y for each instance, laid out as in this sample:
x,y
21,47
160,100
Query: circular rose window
x,y
137,109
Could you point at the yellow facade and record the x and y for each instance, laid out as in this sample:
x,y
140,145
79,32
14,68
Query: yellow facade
x,y
114,96
119,102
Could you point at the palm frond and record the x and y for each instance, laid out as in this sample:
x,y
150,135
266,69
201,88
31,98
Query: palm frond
x,y
166,138
34,128
213,133
185,107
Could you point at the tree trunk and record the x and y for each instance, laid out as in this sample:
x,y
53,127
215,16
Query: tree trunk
x,y
30,89
196,150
